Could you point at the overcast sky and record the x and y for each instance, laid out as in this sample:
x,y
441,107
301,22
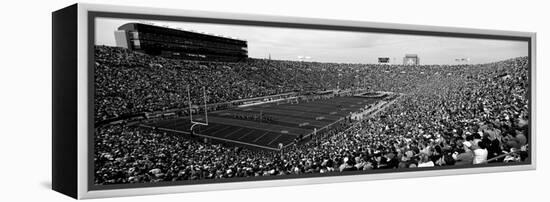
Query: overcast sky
x,y
340,46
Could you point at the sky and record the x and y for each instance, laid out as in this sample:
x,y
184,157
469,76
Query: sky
x,y
339,46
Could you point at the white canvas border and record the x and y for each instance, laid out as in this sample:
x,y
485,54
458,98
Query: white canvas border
x,y
82,105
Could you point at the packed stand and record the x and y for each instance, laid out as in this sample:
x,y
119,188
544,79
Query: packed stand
x,y
449,116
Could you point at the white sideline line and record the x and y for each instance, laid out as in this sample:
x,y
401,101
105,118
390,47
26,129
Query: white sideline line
x,y
217,138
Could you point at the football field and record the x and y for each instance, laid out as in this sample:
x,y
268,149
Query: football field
x,y
268,124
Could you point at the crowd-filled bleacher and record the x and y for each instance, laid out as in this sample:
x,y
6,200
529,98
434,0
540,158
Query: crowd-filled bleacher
x,y
449,115
127,82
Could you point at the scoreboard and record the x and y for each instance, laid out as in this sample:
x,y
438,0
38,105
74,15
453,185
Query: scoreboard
x,y
411,59
383,60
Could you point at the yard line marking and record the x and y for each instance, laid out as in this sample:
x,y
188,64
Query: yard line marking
x,y
231,133
291,113
221,130
256,140
274,139
246,134
217,138
213,128
255,125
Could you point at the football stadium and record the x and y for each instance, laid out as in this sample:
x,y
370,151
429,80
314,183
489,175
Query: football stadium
x,y
175,105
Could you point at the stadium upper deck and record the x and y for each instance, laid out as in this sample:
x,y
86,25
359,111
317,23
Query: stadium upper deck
x,y
181,44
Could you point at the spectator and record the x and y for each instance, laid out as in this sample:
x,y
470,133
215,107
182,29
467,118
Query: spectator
x,y
450,115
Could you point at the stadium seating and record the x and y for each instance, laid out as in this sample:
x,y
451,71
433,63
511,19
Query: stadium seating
x,y
447,115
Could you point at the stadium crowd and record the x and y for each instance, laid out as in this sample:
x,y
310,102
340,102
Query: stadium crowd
x,y
128,82
451,115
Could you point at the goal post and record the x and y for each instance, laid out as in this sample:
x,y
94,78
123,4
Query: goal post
x,y
193,122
